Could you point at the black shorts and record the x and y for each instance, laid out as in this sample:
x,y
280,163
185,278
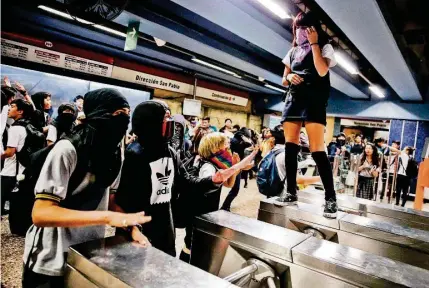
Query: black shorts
x,y
305,105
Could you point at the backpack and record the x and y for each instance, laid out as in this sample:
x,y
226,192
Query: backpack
x,y
34,141
268,179
412,170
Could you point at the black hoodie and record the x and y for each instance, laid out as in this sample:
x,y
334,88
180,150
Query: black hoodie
x,y
150,171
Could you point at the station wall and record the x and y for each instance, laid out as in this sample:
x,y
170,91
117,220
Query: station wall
x,y
410,133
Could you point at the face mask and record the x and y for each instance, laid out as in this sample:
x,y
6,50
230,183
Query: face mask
x,y
222,159
301,36
112,130
65,121
341,142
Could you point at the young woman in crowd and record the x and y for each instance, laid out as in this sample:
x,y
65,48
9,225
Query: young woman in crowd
x,y
368,171
42,104
267,142
306,73
214,154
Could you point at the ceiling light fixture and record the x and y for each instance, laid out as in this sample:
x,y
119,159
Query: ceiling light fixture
x,y
377,91
68,16
274,88
215,67
346,64
275,8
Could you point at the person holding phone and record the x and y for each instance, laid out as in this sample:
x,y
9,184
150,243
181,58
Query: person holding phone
x,y
368,171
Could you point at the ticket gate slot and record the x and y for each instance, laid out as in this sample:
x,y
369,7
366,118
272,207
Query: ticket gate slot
x,y
117,262
386,239
302,261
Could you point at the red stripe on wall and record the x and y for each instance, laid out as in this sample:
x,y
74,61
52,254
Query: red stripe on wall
x,y
60,47
64,48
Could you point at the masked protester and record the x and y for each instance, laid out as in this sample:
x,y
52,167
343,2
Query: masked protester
x,y
150,174
63,124
71,191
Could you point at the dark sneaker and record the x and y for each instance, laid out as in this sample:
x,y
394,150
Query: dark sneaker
x,y
331,209
226,209
185,257
286,199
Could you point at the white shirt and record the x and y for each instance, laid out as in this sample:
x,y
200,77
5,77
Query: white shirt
x,y
5,121
52,133
16,139
403,163
327,52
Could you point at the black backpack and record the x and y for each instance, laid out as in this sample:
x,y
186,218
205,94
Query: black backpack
x,y
34,141
412,170
268,179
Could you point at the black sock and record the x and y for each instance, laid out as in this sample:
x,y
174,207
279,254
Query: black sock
x,y
291,161
325,172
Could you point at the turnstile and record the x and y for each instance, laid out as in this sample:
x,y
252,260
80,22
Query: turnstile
x,y
117,262
386,239
224,242
371,209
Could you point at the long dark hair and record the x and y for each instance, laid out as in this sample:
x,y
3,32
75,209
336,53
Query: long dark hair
x,y
308,20
374,157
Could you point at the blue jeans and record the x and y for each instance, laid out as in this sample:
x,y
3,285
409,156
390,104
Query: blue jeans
x,y
233,193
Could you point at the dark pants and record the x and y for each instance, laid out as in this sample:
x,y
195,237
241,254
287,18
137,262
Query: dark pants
x,y
402,186
389,187
7,185
31,279
245,176
233,193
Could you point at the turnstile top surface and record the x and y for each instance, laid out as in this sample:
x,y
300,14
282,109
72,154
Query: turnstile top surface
x,y
389,210
353,265
137,266
270,238
386,231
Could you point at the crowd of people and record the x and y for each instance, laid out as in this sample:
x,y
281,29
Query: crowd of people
x,y
395,166
68,177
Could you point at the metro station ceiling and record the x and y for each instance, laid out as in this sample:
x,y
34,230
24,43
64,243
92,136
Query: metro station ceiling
x,y
240,36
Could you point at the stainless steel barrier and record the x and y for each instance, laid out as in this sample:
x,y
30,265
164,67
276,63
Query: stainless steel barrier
x,y
116,262
367,208
224,242
386,239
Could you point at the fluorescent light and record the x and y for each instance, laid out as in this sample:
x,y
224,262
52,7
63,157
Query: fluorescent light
x,y
215,67
343,62
110,30
261,79
68,16
275,8
377,91
274,88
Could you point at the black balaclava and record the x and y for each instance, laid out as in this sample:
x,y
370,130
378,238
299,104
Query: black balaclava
x,y
64,121
98,108
147,123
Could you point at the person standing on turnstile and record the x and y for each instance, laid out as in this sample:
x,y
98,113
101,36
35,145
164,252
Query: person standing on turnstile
x,y
307,76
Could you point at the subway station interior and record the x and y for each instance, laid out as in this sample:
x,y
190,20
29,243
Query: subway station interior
x,y
200,113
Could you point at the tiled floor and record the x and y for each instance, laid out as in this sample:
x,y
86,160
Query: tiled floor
x,y
246,204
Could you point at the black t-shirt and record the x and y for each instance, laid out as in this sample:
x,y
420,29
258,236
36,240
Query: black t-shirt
x,y
147,184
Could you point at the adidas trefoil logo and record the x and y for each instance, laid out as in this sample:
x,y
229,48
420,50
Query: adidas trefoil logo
x,y
163,179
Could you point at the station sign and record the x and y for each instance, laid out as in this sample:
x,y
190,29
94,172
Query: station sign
x,y
365,123
31,53
149,80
